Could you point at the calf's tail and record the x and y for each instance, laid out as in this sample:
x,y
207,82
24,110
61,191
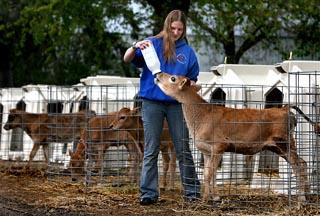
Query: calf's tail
x,y
315,125
303,115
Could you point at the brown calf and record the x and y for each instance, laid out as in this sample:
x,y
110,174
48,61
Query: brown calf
x,y
216,129
95,139
131,120
44,128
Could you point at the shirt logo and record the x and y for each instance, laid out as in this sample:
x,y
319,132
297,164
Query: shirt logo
x,y
181,58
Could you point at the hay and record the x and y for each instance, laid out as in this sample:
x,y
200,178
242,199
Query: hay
x,y
34,188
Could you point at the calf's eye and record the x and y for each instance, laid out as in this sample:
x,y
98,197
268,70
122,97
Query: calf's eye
x,y
173,79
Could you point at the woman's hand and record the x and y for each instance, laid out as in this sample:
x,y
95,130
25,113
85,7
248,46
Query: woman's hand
x,y
129,55
142,44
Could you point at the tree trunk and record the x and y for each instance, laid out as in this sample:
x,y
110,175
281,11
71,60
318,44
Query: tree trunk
x,y
6,76
230,49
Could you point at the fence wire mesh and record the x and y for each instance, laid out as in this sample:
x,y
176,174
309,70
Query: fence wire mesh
x,y
85,149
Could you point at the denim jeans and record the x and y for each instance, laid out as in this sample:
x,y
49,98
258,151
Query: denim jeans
x,y
153,114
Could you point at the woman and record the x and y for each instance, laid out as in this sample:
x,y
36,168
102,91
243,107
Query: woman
x,y
176,57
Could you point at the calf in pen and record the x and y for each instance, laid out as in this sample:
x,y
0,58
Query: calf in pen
x,y
217,129
96,139
131,120
43,128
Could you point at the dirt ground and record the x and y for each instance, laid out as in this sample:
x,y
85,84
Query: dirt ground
x,y
31,192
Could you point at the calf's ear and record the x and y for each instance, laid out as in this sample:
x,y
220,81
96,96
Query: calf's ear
x,y
135,111
184,83
196,87
124,109
70,153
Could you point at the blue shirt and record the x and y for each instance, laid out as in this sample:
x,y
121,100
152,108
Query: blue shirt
x,y
186,64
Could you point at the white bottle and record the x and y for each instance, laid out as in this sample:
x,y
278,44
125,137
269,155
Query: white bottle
x,y
151,58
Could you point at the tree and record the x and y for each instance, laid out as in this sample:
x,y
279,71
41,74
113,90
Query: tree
x,y
223,22
59,42
9,13
240,25
304,24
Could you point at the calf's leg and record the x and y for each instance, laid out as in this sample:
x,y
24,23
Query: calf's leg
x,y
298,165
33,152
45,148
172,167
205,149
134,162
215,161
165,161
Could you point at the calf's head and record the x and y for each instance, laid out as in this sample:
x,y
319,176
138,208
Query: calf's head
x,y
14,120
174,85
126,119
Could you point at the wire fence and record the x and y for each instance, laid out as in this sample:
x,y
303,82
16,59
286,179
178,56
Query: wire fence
x,y
68,130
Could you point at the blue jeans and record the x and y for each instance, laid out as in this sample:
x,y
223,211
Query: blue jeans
x,y
153,114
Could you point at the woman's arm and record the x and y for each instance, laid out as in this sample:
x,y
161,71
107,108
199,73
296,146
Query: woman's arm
x,y
129,54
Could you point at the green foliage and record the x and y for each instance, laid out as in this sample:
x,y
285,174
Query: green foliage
x,y
62,41
237,26
59,42
223,21
304,24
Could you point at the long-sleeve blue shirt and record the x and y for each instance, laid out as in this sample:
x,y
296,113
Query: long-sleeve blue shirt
x,y
186,64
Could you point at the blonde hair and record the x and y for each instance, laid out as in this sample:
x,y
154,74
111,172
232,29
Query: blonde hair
x,y
169,48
